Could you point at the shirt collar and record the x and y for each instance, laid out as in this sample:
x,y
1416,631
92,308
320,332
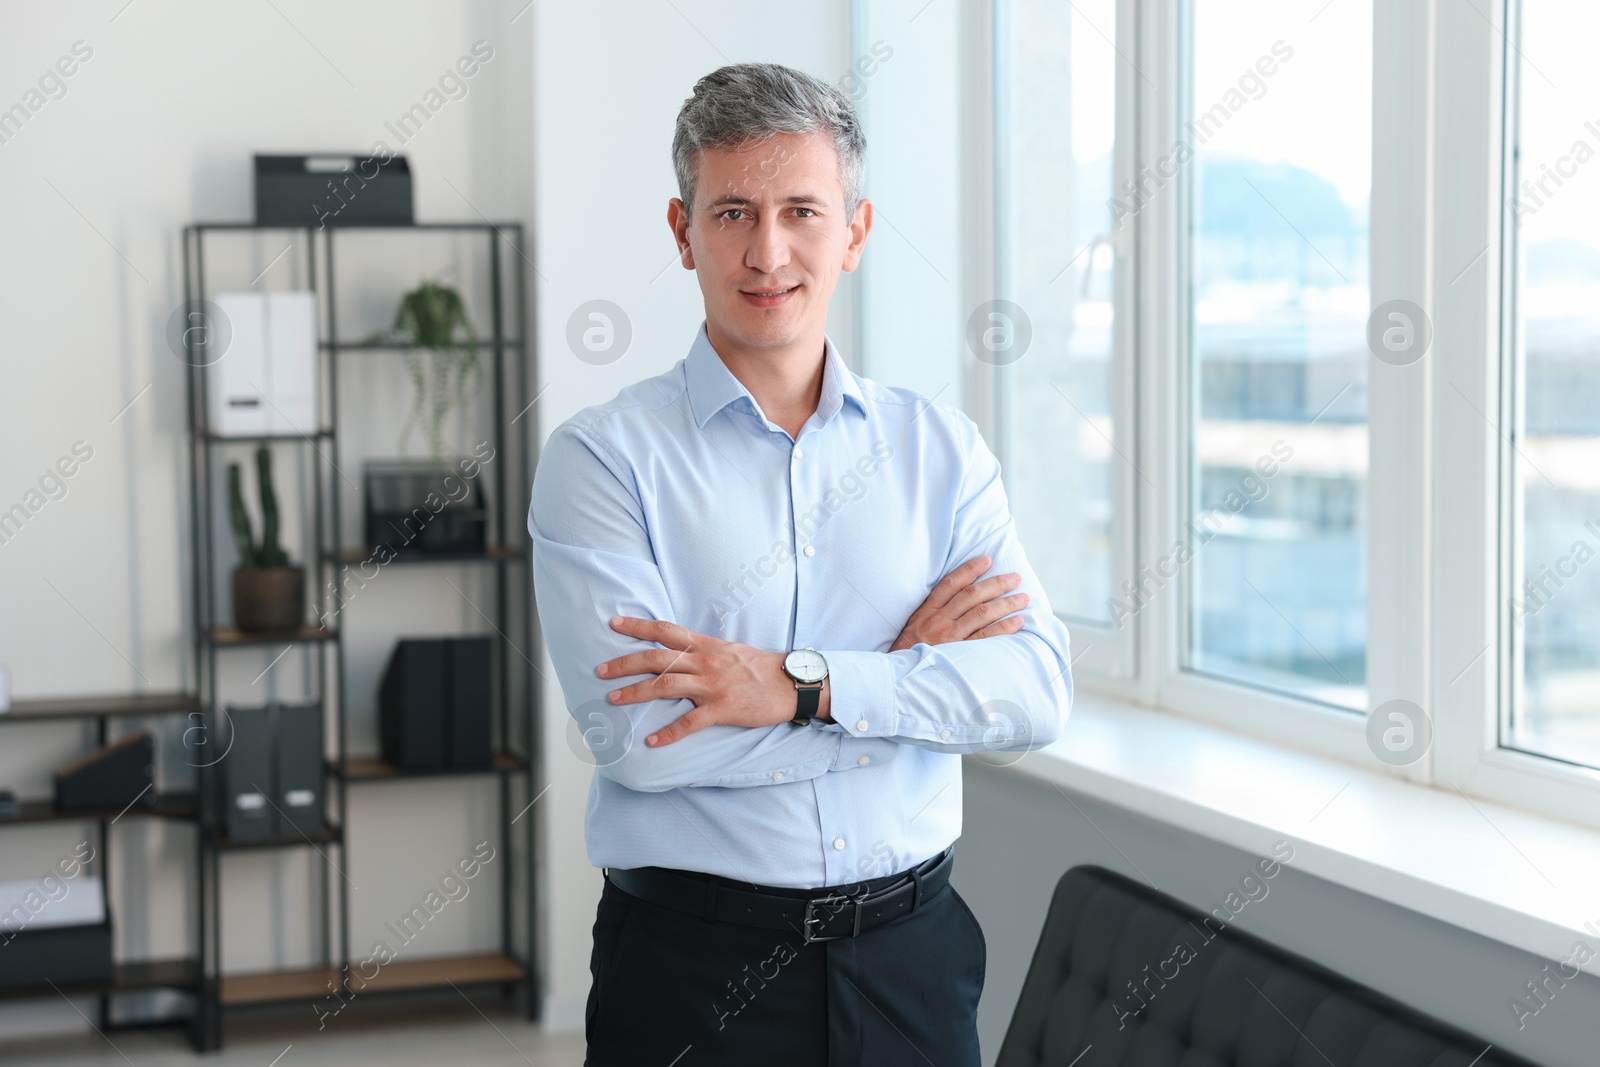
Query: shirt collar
x,y
713,387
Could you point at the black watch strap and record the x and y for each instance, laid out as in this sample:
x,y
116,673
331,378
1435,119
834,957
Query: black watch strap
x,y
810,698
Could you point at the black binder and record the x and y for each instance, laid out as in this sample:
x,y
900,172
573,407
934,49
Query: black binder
x,y
111,777
38,946
411,705
471,700
298,784
247,775
435,704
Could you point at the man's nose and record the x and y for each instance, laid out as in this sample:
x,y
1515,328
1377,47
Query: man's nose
x,y
769,248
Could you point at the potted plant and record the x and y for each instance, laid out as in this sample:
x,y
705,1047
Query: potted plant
x,y
427,323
268,593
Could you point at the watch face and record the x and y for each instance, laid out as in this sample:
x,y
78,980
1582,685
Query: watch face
x,y
806,665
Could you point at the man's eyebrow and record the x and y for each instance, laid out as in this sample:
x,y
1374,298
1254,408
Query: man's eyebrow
x,y
741,201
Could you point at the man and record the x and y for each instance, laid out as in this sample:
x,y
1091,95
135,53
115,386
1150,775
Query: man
x,y
738,565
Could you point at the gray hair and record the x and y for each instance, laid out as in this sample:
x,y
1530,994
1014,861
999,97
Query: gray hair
x,y
745,102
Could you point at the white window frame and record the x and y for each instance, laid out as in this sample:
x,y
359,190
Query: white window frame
x,y
1439,533
1478,310
1165,359
1106,653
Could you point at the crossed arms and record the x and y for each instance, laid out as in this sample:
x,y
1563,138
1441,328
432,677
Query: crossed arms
x,y
702,711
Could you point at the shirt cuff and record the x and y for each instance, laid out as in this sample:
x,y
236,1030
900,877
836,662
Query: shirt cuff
x,y
861,693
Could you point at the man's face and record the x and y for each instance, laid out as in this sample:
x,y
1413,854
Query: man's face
x,y
768,237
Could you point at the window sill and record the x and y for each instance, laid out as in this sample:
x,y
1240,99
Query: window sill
x,y
1515,877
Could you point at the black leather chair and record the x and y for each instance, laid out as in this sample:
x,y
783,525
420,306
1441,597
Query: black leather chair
x,y
1109,976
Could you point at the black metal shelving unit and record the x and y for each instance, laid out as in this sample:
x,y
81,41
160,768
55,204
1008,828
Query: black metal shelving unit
x,y
512,372
128,976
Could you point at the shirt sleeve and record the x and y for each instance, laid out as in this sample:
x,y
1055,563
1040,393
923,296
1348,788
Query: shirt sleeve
x,y
1007,693
592,559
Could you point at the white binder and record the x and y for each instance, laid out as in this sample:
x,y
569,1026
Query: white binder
x,y
266,381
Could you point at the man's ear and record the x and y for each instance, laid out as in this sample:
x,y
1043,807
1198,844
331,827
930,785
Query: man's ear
x,y
860,226
678,219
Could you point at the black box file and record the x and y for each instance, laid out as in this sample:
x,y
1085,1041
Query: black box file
x,y
274,772
112,777
331,189
421,508
435,704
247,775
297,783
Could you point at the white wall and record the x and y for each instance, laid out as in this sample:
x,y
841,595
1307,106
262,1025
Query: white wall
x,y
610,77
155,130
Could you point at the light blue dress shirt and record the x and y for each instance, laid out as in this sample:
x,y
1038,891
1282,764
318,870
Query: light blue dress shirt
x,y
680,500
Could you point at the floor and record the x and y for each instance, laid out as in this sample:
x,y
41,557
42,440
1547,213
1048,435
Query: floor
x,y
396,1031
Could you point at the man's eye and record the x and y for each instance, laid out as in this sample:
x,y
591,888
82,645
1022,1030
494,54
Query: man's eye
x,y
732,212
808,212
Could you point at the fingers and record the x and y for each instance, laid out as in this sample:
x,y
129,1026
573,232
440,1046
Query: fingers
x,y
961,605
999,629
693,720
984,614
650,661
658,630
661,687
955,581
978,593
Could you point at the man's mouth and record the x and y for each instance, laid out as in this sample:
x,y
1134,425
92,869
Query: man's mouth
x,y
768,297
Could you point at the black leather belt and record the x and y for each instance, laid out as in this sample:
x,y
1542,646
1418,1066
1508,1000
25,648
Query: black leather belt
x,y
817,915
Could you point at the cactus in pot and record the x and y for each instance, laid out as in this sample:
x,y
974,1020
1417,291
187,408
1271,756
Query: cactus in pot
x,y
268,592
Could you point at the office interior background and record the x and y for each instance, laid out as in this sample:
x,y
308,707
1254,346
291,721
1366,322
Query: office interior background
x,y
1283,318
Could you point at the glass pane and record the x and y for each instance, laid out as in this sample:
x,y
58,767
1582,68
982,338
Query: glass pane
x,y
909,289
1061,445
1274,551
1553,605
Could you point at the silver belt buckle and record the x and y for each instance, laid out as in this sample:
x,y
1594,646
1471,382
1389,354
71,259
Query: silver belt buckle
x,y
810,918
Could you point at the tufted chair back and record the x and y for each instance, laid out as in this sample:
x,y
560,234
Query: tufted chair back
x,y
1127,977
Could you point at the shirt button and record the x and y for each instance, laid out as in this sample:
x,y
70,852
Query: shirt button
x,y
861,727
838,844
777,776
863,761
811,550
799,453
944,735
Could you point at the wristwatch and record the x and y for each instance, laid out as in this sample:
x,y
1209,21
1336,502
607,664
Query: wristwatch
x,y
808,670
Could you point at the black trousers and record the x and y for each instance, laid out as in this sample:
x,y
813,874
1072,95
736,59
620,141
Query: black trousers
x,y
678,990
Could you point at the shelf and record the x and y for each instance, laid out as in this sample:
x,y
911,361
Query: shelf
x,y
402,346
92,707
499,295
129,977
223,635
167,806
369,768
263,438
400,974
330,834
496,554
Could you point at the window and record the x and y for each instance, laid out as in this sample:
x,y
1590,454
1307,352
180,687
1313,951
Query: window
x,y
1247,504
1053,340
1552,462
908,332
1280,181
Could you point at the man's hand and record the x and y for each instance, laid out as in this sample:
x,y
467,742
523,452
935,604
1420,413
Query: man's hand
x,y
738,685
730,683
960,608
